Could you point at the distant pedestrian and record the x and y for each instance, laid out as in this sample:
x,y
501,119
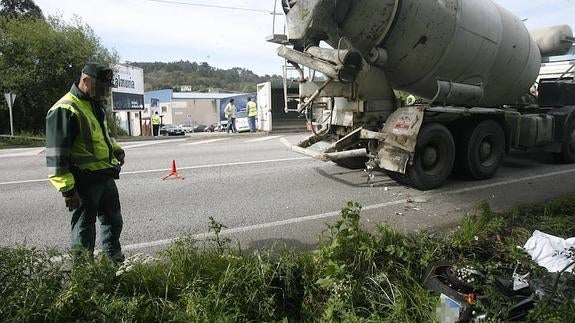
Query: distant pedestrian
x,y
83,162
156,124
231,114
252,111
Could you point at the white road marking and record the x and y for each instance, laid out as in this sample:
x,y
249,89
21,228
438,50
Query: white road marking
x,y
201,142
259,226
511,181
216,165
263,139
150,143
179,168
24,182
332,214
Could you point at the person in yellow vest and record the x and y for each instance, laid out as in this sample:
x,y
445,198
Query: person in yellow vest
x,y
252,112
155,123
84,161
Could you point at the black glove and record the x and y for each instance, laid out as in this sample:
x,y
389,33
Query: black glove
x,y
73,202
120,155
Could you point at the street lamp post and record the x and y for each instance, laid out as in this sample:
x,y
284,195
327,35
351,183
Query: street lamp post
x,y
10,97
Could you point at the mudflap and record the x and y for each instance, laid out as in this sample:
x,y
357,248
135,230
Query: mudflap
x,y
400,131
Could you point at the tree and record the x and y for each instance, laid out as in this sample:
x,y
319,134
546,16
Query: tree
x,y
20,9
201,76
39,61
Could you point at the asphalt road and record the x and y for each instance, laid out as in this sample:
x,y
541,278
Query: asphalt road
x,y
262,192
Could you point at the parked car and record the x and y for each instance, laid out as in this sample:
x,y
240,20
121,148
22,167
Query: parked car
x,y
171,130
187,127
199,128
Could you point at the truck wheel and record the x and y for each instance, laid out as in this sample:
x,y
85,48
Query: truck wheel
x,y
567,154
433,159
481,150
352,163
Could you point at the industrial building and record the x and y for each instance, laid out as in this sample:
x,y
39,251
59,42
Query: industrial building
x,y
191,107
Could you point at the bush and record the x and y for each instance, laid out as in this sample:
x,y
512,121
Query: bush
x,y
354,275
23,139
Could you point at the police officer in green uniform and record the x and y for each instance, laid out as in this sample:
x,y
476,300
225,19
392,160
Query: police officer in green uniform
x,y
83,161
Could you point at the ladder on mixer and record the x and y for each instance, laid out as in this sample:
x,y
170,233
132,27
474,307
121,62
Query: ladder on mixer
x,y
290,99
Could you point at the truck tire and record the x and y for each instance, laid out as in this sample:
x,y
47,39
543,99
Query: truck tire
x,y
433,159
567,154
481,149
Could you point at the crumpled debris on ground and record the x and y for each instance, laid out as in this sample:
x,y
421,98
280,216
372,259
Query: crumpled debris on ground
x,y
551,252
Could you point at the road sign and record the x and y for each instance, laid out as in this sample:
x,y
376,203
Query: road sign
x,y
10,97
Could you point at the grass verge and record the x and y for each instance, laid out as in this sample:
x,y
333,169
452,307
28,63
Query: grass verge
x,y
353,276
22,140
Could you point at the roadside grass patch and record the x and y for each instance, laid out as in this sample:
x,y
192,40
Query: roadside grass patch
x,y
353,275
23,139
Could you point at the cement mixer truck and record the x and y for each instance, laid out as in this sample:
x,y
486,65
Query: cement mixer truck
x,y
471,62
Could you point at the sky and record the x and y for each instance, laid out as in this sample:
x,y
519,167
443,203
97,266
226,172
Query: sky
x,y
195,30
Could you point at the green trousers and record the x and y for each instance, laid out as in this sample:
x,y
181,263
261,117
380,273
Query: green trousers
x,y
100,200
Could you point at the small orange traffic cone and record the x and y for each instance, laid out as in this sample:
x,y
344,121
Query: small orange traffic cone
x,y
173,172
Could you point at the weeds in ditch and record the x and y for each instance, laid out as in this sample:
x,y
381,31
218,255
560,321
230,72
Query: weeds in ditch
x,y
353,275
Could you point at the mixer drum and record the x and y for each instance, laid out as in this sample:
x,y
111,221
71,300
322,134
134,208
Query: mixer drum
x,y
474,42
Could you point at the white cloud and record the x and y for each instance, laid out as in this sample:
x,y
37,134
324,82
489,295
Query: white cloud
x,y
542,13
143,30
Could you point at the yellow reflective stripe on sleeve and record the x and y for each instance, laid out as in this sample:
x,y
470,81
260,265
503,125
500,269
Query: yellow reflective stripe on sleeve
x,y
62,182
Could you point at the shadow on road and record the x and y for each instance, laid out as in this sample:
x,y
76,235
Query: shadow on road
x,y
351,178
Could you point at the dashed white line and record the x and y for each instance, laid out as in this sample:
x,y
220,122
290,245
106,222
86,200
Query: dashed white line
x,y
217,165
201,142
263,139
259,226
152,143
510,181
179,168
334,213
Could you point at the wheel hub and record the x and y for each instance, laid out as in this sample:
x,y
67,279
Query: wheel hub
x,y
429,157
485,150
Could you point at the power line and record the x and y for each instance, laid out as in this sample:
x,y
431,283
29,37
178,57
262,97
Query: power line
x,y
209,6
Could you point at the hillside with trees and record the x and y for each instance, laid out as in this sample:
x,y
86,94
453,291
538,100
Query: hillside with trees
x,y
40,58
201,77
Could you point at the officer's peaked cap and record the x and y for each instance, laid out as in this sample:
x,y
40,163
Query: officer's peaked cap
x,y
99,71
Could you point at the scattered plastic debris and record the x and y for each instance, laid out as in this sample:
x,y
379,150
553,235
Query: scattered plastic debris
x,y
551,252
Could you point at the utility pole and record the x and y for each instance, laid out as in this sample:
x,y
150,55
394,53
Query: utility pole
x,y
10,97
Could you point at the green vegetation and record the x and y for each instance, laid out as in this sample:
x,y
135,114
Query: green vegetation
x,y
201,77
40,58
23,139
353,276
